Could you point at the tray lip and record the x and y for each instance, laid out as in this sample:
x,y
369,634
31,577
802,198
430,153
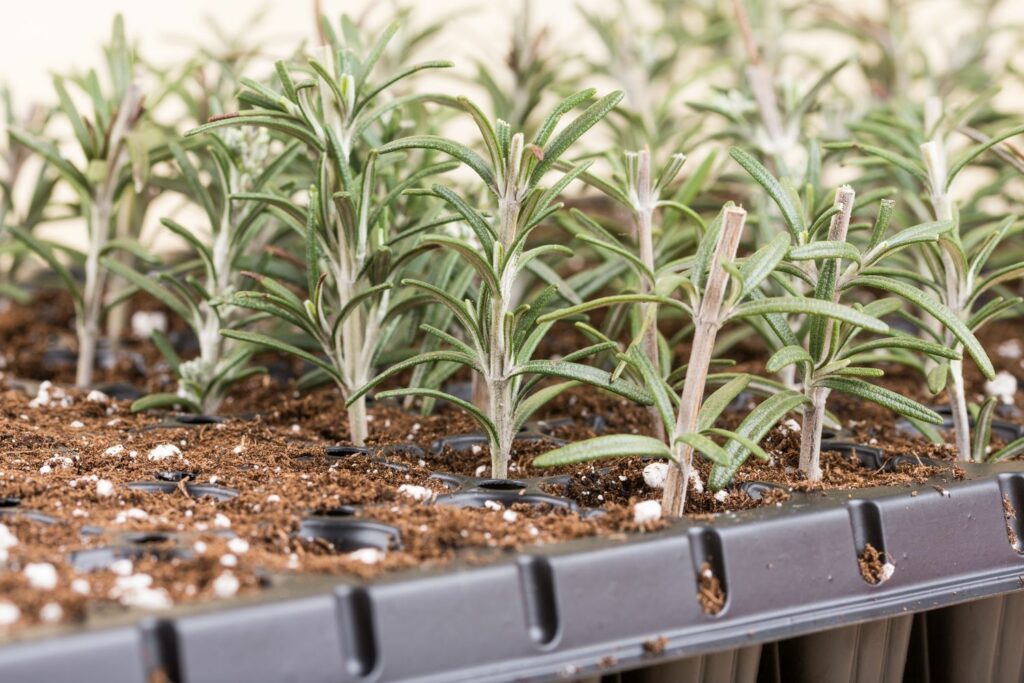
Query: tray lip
x,y
690,638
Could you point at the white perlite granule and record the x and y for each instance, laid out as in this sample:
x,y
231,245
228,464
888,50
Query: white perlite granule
x,y
48,396
130,513
695,481
9,613
41,575
225,585
163,452
7,541
239,546
51,613
419,493
136,590
1003,386
647,511
655,474
145,322
367,555
104,488
1011,349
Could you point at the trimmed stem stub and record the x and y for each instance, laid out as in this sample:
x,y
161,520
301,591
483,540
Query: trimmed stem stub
x,y
707,323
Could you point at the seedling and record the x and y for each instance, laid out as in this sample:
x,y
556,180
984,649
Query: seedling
x,y
13,211
956,263
688,424
532,67
116,163
641,192
350,263
237,161
499,337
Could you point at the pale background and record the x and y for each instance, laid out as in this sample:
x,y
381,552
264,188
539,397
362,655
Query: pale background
x,y
45,36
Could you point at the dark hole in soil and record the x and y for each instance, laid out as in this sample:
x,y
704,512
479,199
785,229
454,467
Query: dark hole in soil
x,y
450,481
337,511
347,535
176,475
218,493
121,391
344,451
502,485
409,450
199,419
148,538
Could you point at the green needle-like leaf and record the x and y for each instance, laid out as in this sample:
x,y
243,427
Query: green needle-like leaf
x,y
603,447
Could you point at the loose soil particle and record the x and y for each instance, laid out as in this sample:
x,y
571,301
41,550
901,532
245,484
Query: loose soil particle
x,y
655,646
1010,514
710,593
872,564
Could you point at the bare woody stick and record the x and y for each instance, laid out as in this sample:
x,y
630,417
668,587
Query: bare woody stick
x,y
707,324
759,78
643,219
814,412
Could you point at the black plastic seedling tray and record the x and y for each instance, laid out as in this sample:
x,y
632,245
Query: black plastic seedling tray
x,y
586,609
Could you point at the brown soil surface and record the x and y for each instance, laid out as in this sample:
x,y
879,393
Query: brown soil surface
x,y
74,463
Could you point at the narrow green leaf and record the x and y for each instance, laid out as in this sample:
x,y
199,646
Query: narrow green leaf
x,y
706,447
715,404
754,427
983,429
449,147
655,385
825,249
157,401
571,133
787,355
584,373
1010,450
603,447
973,153
749,444
808,306
763,262
938,311
883,397
276,344
429,357
791,213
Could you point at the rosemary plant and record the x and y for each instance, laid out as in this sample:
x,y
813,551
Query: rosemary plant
x,y
499,337
825,358
641,192
350,264
712,287
533,69
236,161
921,157
12,210
116,164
